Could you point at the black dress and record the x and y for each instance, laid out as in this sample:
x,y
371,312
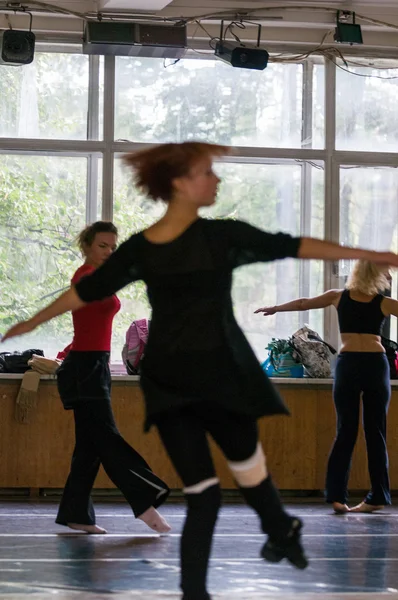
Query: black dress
x,y
196,350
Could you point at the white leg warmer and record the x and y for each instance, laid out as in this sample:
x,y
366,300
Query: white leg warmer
x,y
200,487
250,472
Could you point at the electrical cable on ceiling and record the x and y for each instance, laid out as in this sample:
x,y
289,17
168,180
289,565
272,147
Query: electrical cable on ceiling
x,y
49,7
331,53
252,12
235,14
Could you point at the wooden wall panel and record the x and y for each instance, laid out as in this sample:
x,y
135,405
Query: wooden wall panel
x,y
37,454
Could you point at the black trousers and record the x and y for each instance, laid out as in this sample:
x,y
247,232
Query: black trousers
x,y
366,374
98,441
183,433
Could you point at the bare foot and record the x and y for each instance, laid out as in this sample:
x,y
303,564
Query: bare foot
x,y
340,509
155,521
363,507
87,528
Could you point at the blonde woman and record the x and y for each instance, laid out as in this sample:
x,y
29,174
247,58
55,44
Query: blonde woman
x,y
362,368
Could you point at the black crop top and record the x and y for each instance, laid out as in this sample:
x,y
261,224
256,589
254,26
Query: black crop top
x,y
360,317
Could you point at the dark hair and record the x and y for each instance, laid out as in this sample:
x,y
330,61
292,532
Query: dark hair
x,y
155,168
87,236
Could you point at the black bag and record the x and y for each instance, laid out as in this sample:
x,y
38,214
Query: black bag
x,y
391,349
17,362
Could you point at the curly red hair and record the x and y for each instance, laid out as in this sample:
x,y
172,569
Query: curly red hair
x,y
155,168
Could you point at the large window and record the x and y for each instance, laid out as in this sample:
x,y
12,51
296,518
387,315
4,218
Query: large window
x,y
63,131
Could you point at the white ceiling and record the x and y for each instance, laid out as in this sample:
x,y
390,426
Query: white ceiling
x,y
186,8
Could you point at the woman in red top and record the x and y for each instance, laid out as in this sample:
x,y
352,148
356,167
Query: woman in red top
x,y
84,384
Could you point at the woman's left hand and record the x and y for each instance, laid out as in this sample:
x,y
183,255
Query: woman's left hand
x,y
19,329
267,310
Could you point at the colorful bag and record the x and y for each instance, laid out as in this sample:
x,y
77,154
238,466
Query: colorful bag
x,y
134,348
314,352
282,360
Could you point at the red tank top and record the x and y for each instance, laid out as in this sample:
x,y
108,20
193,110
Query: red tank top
x,y
92,324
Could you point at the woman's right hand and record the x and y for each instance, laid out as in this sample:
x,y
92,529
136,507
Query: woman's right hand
x,y
266,310
19,329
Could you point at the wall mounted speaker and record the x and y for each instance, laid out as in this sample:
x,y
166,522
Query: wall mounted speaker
x,y
17,47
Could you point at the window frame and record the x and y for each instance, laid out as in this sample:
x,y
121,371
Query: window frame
x,y
102,145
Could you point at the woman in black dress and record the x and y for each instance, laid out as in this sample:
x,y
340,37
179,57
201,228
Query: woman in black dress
x,y
200,374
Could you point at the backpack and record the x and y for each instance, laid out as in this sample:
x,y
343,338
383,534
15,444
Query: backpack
x,y
314,352
133,349
17,362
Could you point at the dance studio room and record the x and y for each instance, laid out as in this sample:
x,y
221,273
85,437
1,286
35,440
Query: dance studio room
x,y
198,299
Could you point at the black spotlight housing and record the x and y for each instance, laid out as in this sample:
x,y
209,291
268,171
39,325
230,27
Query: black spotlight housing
x,y
347,33
239,55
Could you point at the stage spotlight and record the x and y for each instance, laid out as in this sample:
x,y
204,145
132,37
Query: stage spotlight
x,y
238,54
244,57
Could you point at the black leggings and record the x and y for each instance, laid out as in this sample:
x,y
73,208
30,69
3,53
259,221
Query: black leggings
x,y
183,433
98,441
366,373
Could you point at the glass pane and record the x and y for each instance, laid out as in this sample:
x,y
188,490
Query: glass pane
x,y
369,214
369,207
42,208
208,100
46,99
366,113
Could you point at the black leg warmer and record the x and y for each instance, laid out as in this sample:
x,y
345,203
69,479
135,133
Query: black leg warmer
x,y
196,541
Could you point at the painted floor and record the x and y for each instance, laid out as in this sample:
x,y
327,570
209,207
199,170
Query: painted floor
x,y
352,556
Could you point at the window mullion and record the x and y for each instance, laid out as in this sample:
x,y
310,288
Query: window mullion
x,y
92,134
306,182
332,197
109,134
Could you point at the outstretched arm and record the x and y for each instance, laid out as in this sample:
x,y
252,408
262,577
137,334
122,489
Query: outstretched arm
x,y
324,250
327,299
389,306
118,271
67,301
248,245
